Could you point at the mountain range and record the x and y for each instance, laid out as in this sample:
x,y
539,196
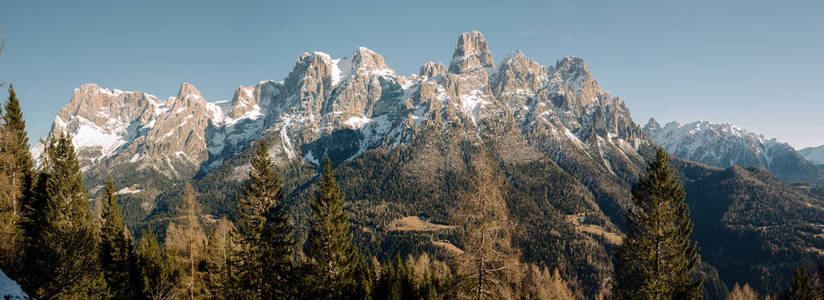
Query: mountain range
x,y
814,154
565,152
725,145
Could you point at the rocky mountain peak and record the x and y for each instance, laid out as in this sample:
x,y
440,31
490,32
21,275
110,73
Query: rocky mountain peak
x,y
364,58
571,78
518,74
188,89
575,71
471,53
514,57
652,126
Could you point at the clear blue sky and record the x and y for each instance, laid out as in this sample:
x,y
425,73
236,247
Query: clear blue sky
x,y
757,64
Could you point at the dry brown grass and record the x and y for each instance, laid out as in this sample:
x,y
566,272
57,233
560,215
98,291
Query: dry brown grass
x,y
414,223
449,247
614,238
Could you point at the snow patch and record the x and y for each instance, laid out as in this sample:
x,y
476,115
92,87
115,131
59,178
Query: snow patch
x,y
129,190
309,158
357,122
89,135
9,289
341,69
471,104
575,140
284,138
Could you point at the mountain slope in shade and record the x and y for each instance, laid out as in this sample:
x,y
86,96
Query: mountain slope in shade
x,y
752,226
813,154
725,145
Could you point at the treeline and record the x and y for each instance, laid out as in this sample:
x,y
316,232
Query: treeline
x,y
56,248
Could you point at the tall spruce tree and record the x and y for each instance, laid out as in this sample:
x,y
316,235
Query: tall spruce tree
x,y
62,240
800,287
336,265
217,263
264,259
15,176
657,258
115,247
157,274
276,244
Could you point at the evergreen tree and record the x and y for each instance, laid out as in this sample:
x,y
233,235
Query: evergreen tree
x,y
217,264
15,181
334,262
800,288
62,242
158,276
265,256
657,257
397,281
18,145
276,243
115,247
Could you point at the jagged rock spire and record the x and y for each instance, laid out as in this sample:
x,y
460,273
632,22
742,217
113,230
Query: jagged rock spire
x,y
471,53
431,69
187,89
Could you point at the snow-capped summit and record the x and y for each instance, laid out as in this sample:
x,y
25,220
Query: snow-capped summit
x,y
652,126
726,145
342,107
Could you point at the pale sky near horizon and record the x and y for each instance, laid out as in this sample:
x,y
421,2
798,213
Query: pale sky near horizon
x,y
756,64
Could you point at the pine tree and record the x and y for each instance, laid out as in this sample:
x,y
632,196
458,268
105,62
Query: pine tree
x,y
800,288
657,257
115,247
16,176
389,285
265,256
337,268
62,242
157,275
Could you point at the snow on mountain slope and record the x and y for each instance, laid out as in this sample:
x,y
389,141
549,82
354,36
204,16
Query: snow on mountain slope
x,y
813,154
560,108
725,145
113,127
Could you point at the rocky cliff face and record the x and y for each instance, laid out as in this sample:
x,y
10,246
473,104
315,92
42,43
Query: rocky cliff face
x,y
183,135
725,145
116,127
